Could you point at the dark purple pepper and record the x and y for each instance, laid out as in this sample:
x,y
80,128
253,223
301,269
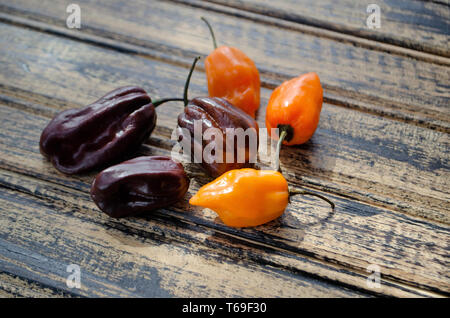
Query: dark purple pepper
x,y
139,185
217,113
79,140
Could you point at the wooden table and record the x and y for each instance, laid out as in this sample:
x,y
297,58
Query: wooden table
x,y
381,151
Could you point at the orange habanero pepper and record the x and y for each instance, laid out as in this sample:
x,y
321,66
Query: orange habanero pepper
x,y
294,107
232,75
247,197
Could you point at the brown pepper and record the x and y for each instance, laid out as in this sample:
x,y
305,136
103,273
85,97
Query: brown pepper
x,y
139,185
220,114
216,112
79,140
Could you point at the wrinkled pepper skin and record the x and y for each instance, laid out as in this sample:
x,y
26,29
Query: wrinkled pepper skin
x,y
79,140
297,103
217,113
245,197
139,185
233,75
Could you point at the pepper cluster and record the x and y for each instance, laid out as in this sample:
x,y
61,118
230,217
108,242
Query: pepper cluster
x,y
113,128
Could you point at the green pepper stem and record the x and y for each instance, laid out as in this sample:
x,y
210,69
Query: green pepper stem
x,y
293,192
188,80
165,100
210,31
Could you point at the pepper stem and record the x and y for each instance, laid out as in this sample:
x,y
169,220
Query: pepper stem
x,y
210,31
188,80
165,100
293,192
286,133
277,154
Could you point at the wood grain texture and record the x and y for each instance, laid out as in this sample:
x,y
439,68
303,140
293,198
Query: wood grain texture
x,y
390,179
409,250
173,227
376,160
401,87
133,257
419,25
13,286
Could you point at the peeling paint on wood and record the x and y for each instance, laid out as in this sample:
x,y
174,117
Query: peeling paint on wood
x,y
381,152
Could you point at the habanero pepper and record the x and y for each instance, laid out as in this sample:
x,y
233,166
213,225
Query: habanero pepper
x,y
232,75
139,185
216,113
113,127
294,108
248,197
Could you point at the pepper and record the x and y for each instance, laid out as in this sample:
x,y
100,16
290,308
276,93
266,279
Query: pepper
x,y
232,75
79,140
294,107
139,185
245,197
220,114
248,197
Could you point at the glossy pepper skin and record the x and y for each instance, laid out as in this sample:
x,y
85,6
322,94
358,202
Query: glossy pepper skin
x,y
233,75
139,185
217,113
79,140
245,197
296,104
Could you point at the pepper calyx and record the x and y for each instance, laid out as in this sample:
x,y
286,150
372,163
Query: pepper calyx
x,y
288,129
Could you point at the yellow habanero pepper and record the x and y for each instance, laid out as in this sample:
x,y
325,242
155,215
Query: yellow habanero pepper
x,y
247,197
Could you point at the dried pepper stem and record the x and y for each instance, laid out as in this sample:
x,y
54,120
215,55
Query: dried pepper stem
x,y
188,80
165,100
293,192
210,31
286,134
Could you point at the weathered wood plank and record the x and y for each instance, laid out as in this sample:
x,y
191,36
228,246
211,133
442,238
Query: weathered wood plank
x,y
418,258
409,250
15,286
376,160
40,238
376,81
173,227
419,25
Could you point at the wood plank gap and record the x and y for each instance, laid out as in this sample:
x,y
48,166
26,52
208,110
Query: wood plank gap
x,y
55,292
271,238
175,56
106,40
173,219
320,23
324,31
164,145
443,2
175,222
